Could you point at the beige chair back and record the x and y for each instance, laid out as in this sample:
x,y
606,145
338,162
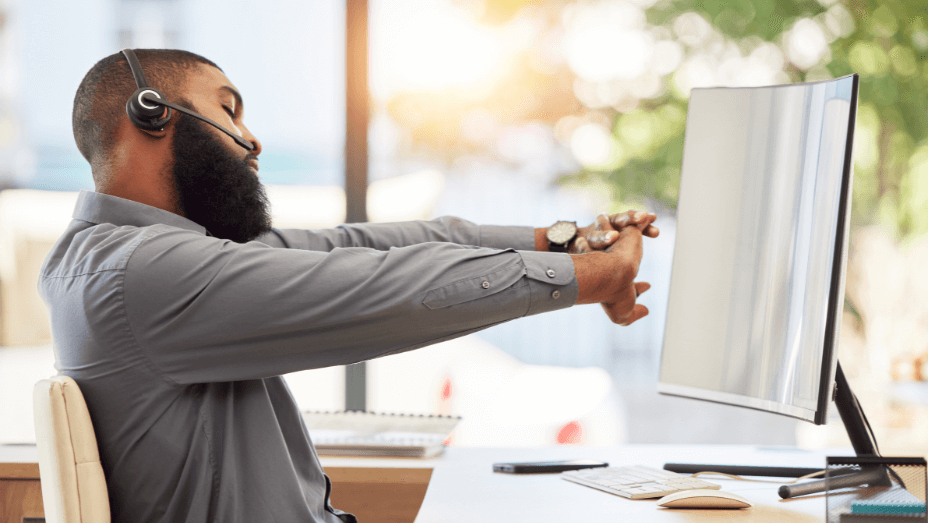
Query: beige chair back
x,y
73,485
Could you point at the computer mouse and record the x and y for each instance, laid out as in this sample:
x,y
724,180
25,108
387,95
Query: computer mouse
x,y
703,498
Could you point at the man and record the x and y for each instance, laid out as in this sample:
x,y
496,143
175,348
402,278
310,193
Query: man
x,y
176,307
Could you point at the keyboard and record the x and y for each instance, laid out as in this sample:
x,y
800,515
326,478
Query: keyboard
x,y
637,482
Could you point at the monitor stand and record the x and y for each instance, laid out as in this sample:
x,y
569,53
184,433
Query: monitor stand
x,y
858,429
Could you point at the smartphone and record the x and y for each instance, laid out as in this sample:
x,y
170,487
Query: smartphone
x,y
536,467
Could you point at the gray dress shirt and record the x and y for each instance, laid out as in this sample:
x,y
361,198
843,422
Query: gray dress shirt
x,y
178,340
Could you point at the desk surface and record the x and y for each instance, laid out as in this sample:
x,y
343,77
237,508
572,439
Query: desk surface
x,y
463,487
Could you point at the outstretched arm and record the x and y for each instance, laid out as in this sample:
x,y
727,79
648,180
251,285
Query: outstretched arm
x,y
242,311
384,236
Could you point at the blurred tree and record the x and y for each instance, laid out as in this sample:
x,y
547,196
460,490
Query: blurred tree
x,y
888,47
705,42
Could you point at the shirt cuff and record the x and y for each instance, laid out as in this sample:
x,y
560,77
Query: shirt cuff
x,y
508,237
551,281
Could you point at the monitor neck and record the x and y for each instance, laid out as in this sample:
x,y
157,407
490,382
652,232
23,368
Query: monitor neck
x,y
853,417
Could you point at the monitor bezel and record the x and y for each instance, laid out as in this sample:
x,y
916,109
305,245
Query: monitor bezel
x,y
835,307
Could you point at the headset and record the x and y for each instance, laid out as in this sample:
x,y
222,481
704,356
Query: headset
x,y
153,116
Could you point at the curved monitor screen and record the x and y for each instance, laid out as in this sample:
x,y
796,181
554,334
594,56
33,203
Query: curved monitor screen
x,y
757,286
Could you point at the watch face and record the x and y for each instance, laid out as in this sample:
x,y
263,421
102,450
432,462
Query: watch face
x,y
561,232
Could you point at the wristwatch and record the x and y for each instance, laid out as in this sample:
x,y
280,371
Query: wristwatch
x,y
560,235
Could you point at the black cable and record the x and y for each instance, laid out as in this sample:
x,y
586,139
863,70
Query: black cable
x,y
876,447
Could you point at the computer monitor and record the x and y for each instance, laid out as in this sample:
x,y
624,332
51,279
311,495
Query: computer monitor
x,y
757,285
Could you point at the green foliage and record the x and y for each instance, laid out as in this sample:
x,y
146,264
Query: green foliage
x,y
651,140
884,41
888,48
739,18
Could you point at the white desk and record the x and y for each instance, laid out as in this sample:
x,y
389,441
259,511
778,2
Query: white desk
x,y
463,488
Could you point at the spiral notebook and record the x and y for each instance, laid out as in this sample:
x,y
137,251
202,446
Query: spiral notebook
x,y
362,433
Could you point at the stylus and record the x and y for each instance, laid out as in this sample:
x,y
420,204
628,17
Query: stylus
x,y
870,477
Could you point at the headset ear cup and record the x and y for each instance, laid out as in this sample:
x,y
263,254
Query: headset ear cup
x,y
149,125
161,122
144,117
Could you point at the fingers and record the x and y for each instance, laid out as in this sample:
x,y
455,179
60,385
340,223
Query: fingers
x,y
605,230
645,223
601,240
639,312
633,217
624,311
580,246
625,318
640,219
623,219
601,233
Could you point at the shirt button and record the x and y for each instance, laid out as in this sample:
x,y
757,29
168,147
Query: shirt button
x,y
551,273
485,285
556,294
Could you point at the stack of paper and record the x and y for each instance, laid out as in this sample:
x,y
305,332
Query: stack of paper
x,y
360,433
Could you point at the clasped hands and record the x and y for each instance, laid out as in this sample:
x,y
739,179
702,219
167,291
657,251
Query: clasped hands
x,y
606,256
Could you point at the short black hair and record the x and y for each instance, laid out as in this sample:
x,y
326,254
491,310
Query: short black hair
x,y
101,98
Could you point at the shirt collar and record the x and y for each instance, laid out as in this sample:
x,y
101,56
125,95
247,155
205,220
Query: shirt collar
x,y
98,208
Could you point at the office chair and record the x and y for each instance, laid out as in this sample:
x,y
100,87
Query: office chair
x,y
73,485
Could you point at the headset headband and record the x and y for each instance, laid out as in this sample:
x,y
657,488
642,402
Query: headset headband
x,y
136,68
152,117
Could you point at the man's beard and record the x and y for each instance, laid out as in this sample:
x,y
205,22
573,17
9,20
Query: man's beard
x,y
216,189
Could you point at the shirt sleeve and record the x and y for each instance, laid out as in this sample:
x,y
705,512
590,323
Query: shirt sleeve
x,y
383,236
203,309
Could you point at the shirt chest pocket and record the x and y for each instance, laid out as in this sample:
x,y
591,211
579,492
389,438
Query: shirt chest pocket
x,y
470,289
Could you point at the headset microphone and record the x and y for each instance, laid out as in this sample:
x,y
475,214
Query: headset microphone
x,y
149,109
